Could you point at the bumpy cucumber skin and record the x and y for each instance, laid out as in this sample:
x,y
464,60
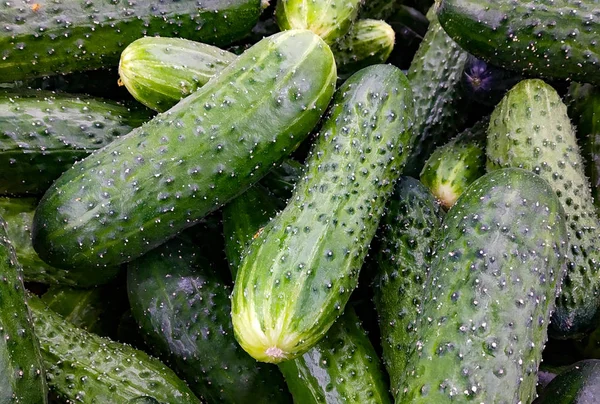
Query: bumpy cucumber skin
x,y
435,75
72,35
407,235
492,285
182,306
368,42
149,185
43,133
451,168
83,367
579,384
530,129
535,37
159,72
299,272
331,20
18,213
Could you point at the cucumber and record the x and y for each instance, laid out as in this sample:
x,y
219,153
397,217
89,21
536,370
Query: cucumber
x,y
368,42
451,168
18,213
163,177
331,20
435,75
181,303
488,297
530,129
406,240
43,133
83,367
379,9
45,38
579,384
159,72
299,272
554,39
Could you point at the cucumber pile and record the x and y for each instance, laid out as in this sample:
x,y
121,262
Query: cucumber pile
x,y
288,201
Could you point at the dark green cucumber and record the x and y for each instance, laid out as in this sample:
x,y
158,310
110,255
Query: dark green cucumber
x,y
407,235
487,302
530,129
555,39
182,305
48,37
451,168
18,213
368,42
299,272
149,185
43,133
435,75
159,72
331,20
579,384
83,367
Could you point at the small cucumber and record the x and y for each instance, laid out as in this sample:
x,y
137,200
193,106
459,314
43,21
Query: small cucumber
x,y
165,176
46,37
579,384
530,129
403,257
83,367
488,297
555,38
159,72
299,272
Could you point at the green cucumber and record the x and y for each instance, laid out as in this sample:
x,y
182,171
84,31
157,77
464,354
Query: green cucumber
x,y
556,39
299,272
159,72
368,42
331,20
406,241
45,38
43,133
451,168
18,213
579,384
530,129
181,303
435,75
83,367
165,176
489,294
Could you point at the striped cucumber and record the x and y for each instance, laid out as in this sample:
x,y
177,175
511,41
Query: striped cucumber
x,y
530,129
48,37
299,272
165,176
159,72
488,297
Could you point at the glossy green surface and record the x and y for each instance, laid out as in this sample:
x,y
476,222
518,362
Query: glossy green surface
x,y
578,384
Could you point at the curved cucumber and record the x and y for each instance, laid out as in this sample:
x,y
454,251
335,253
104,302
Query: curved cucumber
x,y
407,235
45,38
149,185
530,129
579,384
488,298
159,72
299,272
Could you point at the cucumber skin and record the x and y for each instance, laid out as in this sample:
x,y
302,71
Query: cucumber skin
x,y
407,236
43,133
73,35
82,366
579,384
175,285
530,129
535,37
493,282
318,243
159,72
149,185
